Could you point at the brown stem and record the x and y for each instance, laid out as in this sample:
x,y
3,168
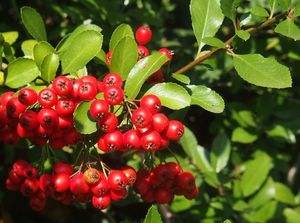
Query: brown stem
x,y
209,54
165,212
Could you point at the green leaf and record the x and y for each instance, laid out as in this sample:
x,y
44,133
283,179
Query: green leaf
x,y
40,51
241,135
66,42
280,132
207,18
291,215
289,29
143,69
9,52
21,72
49,67
33,23
153,215
255,174
188,141
77,55
284,194
260,71
244,35
227,221
297,9
181,78
245,118
27,47
181,204
206,98
124,57
220,153
229,8
82,120
122,31
213,41
259,11
101,57
10,37
285,4
264,214
211,178
265,194
171,95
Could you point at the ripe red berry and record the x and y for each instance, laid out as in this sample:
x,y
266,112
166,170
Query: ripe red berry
x,y
14,108
141,117
130,174
101,145
163,195
61,167
157,77
113,95
142,52
15,178
173,169
117,195
117,180
10,185
29,187
166,52
175,130
87,91
113,141
185,180
45,183
47,117
27,96
108,123
108,58
131,139
151,102
65,107
30,172
5,97
148,196
101,202
61,182
150,141
78,184
47,98
112,79
36,203
100,188
98,109
159,122
142,186
29,120
143,35
63,86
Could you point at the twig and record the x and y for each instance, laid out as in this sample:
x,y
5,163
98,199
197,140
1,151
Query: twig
x,y
209,54
165,212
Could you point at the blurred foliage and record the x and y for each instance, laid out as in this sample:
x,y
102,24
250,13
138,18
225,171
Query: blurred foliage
x,y
257,136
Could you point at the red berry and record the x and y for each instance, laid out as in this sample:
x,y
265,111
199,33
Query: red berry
x,y
101,202
3,118
61,167
142,186
148,196
92,176
87,91
143,35
47,98
61,182
90,79
100,188
5,97
185,180
151,102
10,185
30,172
29,120
150,141
173,169
131,139
112,79
117,195
163,195
166,52
101,86
14,108
113,141
78,184
15,178
108,123
45,183
141,117
63,86
47,117
117,180
157,77
101,145
113,95
98,109
29,187
142,52
36,203
175,130
130,174
191,194
108,58
27,96
65,107
159,122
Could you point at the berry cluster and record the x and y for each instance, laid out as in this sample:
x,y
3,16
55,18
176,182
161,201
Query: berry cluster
x,y
67,187
150,130
161,183
143,36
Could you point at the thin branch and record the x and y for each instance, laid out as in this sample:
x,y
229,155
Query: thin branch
x,y
165,212
209,54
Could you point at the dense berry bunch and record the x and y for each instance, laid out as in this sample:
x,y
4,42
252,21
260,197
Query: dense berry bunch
x,y
143,36
68,187
161,183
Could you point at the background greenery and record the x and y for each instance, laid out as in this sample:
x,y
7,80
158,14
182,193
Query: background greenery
x,y
258,177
